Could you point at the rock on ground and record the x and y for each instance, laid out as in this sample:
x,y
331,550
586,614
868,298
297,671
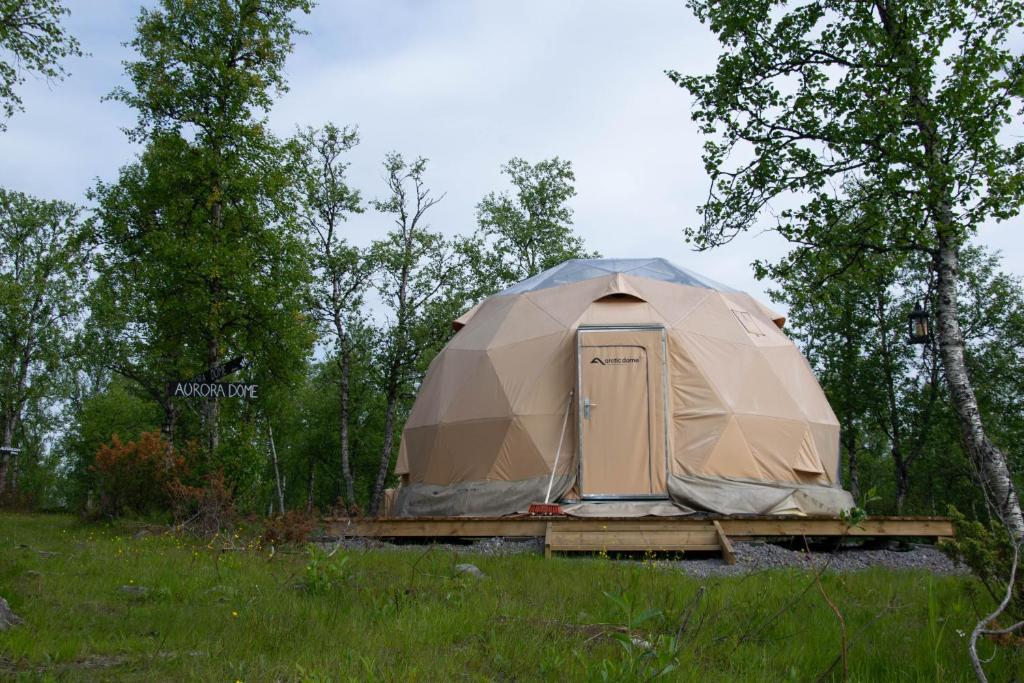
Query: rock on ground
x,y
469,570
7,617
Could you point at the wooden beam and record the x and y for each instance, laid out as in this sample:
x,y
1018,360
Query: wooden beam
x,y
428,528
614,540
727,552
748,526
801,526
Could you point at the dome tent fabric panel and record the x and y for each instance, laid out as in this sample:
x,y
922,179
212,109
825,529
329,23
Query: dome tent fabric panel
x,y
749,429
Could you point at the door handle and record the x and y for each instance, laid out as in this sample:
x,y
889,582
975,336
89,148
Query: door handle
x,y
587,405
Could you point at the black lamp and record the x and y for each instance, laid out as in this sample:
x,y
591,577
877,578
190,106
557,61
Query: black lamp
x,y
918,323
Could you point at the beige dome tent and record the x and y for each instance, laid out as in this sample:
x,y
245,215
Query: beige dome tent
x,y
614,380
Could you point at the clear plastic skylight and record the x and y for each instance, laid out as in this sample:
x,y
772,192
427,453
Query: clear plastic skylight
x,y
577,270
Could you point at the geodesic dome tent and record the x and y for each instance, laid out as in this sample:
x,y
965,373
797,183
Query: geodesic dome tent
x,y
620,380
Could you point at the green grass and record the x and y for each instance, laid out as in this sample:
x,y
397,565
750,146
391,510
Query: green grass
x,y
404,616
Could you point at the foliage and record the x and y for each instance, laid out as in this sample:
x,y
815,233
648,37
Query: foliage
x,y
203,258
839,105
98,409
32,40
851,322
38,476
206,509
987,550
221,240
324,571
856,515
207,68
307,434
44,256
136,477
216,615
898,432
641,659
293,527
341,271
521,234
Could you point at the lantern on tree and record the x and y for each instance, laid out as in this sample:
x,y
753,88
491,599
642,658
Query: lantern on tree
x,y
918,324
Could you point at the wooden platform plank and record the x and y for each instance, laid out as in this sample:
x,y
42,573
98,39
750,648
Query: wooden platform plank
x,y
728,554
430,528
739,526
661,540
835,527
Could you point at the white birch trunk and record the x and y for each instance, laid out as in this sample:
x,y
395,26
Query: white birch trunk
x,y
989,461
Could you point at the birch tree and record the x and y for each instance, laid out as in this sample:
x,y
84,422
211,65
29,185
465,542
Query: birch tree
x,y
44,252
816,106
521,233
418,277
341,271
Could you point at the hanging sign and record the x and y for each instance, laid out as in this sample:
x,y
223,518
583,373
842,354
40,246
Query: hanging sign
x,y
194,389
220,372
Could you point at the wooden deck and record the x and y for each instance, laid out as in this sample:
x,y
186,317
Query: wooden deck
x,y
641,534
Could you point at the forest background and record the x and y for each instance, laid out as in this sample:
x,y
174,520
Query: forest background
x,y
223,239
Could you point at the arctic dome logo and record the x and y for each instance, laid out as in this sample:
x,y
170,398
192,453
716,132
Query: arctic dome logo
x,y
614,361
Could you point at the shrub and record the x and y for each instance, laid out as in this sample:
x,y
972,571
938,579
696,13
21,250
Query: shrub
x,y
135,477
293,526
986,549
204,509
324,572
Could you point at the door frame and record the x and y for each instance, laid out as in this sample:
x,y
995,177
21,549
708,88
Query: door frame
x,y
651,327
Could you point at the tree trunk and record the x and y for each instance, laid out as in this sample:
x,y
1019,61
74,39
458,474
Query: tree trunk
x,y
211,408
310,484
277,471
343,418
385,452
902,481
6,459
894,430
989,461
850,444
168,427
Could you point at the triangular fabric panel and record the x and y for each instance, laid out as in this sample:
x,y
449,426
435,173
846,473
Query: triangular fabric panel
x,y
482,398
731,456
466,451
536,374
807,460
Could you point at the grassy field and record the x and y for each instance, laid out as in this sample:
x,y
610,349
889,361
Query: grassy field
x,y
104,603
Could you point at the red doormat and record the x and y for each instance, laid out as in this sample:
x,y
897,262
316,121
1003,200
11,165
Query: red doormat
x,y
545,509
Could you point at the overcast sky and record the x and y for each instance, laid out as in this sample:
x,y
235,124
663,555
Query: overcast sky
x,y
468,85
